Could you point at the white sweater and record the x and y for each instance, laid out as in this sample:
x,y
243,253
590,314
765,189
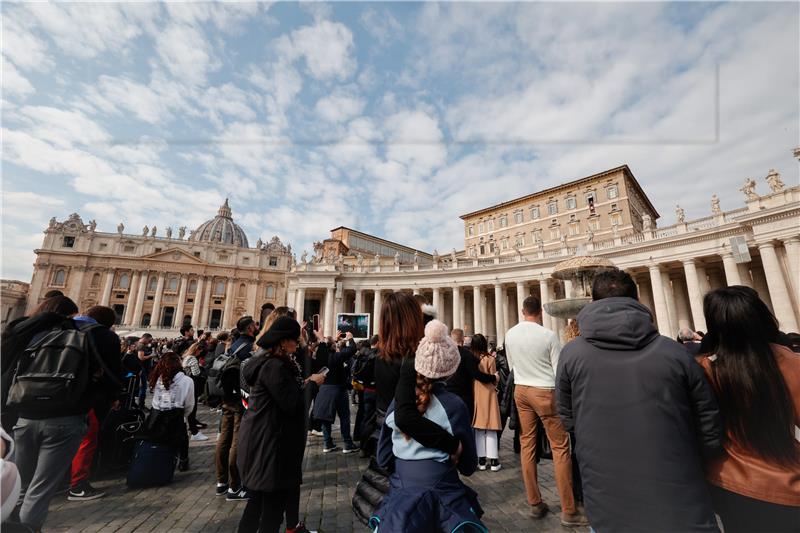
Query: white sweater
x,y
532,353
179,395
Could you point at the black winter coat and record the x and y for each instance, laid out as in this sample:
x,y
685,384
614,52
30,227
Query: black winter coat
x,y
643,417
272,434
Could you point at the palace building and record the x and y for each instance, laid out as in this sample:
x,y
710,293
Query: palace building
x,y
213,277
208,279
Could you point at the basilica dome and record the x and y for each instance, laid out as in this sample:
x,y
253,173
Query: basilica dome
x,y
221,229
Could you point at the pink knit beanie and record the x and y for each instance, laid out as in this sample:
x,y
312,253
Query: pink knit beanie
x,y
437,354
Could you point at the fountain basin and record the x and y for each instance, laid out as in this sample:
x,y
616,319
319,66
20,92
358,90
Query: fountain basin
x,y
567,308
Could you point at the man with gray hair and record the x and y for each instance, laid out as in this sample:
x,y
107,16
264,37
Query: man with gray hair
x,y
690,340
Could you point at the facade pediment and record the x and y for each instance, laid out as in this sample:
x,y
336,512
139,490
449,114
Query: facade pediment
x,y
175,255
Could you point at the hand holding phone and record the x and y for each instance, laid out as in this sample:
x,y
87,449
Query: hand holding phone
x,y
324,371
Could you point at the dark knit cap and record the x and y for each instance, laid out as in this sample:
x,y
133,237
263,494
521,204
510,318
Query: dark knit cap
x,y
284,327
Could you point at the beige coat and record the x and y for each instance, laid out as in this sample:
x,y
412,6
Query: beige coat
x,y
487,408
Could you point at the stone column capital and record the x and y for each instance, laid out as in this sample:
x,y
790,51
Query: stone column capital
x,y
793,239
766,244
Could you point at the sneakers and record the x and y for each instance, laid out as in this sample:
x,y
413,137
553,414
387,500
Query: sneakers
x,y
574,520
329,449
198,437
315,433
84,492
240,495
494,465
349,448
481,463
539,510
299,528
222,489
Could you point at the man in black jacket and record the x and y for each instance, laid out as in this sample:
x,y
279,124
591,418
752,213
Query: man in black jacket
x,y
643,416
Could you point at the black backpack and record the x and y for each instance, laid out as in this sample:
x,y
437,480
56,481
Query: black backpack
x,y
222,364
53,373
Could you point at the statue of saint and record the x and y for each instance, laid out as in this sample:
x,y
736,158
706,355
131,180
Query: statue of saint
x,y
679,214
416,257
647,223
181,232
259,243
774,181
52,223
396,258
153,231
169,232
120,228
715,208
92,225
453,257
749,189
359,259
145,231
304,257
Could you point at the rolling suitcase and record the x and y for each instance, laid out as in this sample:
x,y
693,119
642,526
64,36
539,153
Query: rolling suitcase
x,y
153,465
118,432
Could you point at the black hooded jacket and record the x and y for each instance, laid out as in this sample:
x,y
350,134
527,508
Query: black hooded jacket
x,y
643,416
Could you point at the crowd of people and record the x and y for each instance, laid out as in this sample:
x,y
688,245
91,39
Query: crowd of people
x,y
646,433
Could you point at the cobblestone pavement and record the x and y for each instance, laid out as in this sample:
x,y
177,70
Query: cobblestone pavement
x,y
189,503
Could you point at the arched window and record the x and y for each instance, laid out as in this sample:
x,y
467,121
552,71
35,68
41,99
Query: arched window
x,y
60,277
193,286
95,280
270,291
124,281
173,284
152,283
220,289
242,290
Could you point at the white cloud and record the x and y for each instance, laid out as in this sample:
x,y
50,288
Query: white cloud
x,y
25,206
185,51
327,48
339,107
61,127
382,26
20,45
14,83
415,140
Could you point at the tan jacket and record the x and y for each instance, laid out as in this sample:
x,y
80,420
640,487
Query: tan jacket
x,y
740,470
487,407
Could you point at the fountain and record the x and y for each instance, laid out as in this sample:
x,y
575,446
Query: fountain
x,y
577,273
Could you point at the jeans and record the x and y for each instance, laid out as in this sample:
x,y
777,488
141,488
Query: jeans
x,y
44,449
343,412
225,453
265,510
143,385
740,514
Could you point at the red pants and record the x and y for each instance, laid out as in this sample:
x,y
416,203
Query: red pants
x,y
82,462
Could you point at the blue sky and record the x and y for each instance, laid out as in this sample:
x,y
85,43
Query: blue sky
x,y
394,118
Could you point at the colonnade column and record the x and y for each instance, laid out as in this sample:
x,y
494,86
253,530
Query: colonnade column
x,y
227,312
457,308
669,297
695,295
500,333
731,269
437,301
76,284
508,311
106,298
155,316
330,326
205,319
646,293
792,246
744,274
178,319
300,303
133,287
544,297
778,291
522,293
137,311
681,303
662,314
359,303
197,308
477,327
376,312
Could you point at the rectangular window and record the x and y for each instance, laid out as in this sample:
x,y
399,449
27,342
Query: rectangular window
x,y
518,217
537,235
103,246
68,242
503,221
572,217
616,220
571,203
574,229
491,247
519,242
554,233
552,208
273,261
246,260
480,228
158,250
534,213
594,224
471,231
129,249
483,251
612,192
613,207
197,254
590,199
490,225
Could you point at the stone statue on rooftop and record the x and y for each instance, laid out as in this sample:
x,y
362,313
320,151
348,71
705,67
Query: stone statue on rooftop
x,y
145,231
169,232
360,259
749,189
120,228
774,181
453,256
647,223
396,258
304,257
259,243
715,208
153,231
92,225
680,214
181,232
416,257
52,223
